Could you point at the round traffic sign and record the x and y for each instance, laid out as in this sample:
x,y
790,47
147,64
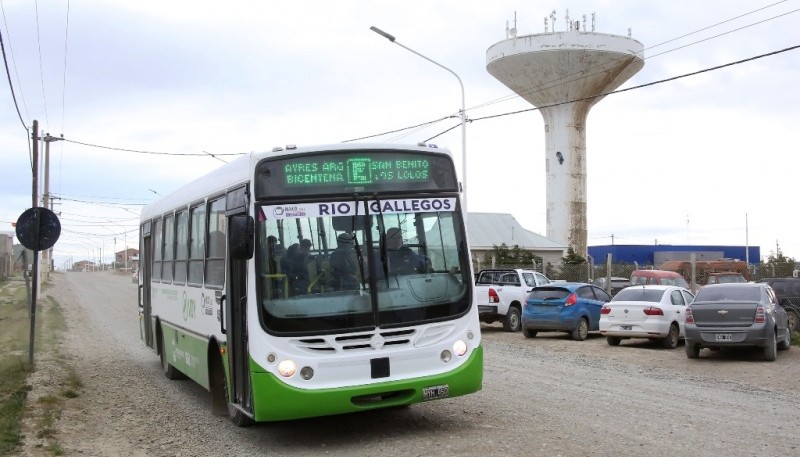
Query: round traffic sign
x,y
38,229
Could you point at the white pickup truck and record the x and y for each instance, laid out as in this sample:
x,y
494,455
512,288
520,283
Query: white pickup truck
x,y
501,293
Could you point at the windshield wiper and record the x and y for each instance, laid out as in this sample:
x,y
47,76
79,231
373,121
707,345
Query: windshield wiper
x,y
359,255
382,242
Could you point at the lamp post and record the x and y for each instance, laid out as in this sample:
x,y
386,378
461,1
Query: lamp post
x,y
462,113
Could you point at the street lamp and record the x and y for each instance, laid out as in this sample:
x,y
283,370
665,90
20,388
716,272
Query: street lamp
x,y
462,113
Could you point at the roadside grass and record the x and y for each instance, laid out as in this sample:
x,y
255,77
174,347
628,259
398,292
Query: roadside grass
x,y
14,369
16,408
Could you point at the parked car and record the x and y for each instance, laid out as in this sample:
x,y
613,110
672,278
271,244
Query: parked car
x,y
617,284
649,311
737,314
500,294
567,307
669,278
788,292
725,276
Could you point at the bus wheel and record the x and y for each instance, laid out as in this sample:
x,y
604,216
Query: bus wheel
x,y
170,372
239,418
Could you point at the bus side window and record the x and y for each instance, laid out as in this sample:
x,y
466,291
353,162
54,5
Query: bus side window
x,y
181,246
217,230
169,248
158,250
197,243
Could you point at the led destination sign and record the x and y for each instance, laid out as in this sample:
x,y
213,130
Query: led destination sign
x,y
355,171
349,172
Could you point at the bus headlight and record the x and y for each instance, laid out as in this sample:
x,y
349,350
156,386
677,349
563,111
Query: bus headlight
x,y
460,348
287,368
446,356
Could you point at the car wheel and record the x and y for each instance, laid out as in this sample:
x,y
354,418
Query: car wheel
x,y
692,350
613,340
786,342
512,322
529,333
671,341
771,348
581,330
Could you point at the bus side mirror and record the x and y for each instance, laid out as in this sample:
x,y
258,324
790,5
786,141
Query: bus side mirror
x,y
241,228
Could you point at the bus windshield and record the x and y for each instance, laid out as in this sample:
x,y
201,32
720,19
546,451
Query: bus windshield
x,y
342,266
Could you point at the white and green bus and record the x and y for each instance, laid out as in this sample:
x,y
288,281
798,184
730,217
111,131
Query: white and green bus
x,y
314,281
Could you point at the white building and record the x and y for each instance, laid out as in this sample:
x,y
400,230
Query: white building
x,y
487,230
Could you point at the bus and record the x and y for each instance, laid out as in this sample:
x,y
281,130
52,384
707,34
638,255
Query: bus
x,y
305,282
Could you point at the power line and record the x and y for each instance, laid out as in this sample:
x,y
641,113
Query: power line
x,y
581,75
64,81
101,203
640,86
203,154
11,86
41,66
398,130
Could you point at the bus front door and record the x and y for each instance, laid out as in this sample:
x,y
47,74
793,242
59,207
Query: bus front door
x,y
145,266
236,329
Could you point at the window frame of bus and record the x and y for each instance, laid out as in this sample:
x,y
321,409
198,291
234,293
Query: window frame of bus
x,y
270,183
180,271
158,249
197,244
217,259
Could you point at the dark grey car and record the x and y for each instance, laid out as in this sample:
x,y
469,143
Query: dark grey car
x,y
736,314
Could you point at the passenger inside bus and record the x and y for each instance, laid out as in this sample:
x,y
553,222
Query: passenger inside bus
x,y
344,264
401,259
295,266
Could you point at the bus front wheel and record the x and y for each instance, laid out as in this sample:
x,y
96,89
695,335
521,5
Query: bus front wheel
x,y
170,372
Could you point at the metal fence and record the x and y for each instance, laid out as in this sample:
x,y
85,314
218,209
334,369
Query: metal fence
x,y
588,272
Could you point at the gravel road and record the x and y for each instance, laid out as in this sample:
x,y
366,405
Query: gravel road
x,y
545,396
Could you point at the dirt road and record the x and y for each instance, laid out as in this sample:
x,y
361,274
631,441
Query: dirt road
x,y
544,396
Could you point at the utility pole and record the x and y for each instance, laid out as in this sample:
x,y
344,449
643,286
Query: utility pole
x,y
35,199
47,256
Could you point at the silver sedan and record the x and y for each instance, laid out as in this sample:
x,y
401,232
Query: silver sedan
x,y
735,315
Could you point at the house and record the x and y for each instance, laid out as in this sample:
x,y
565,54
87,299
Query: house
x,y
487,230
124,258
84,265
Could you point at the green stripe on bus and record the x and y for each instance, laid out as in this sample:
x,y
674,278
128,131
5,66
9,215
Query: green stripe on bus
x,y
273,400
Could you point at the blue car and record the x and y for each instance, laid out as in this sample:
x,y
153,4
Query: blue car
x,y
572,307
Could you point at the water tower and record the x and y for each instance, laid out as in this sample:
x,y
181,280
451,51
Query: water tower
x,y
562,73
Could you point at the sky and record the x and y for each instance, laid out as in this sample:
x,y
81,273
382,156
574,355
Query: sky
x,y
704,159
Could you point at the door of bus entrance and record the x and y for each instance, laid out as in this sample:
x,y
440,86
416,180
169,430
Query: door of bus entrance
x,y
236,329
145,267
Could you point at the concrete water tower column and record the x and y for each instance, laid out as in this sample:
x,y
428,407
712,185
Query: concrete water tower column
x,y
562,73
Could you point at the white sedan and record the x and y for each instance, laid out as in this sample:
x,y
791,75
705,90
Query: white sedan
x,y
657,312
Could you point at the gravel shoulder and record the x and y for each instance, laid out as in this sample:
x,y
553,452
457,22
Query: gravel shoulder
x,y
547,395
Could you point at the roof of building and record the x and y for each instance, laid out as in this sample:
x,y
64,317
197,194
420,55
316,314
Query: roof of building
x,y
487,230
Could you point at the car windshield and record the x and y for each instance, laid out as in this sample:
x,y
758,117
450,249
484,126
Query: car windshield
x,y
549,293
730,278
680,282
639,294
728,293
321,272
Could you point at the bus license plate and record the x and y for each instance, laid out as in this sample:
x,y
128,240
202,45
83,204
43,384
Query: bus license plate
x,y
434,392
626,327
724,337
